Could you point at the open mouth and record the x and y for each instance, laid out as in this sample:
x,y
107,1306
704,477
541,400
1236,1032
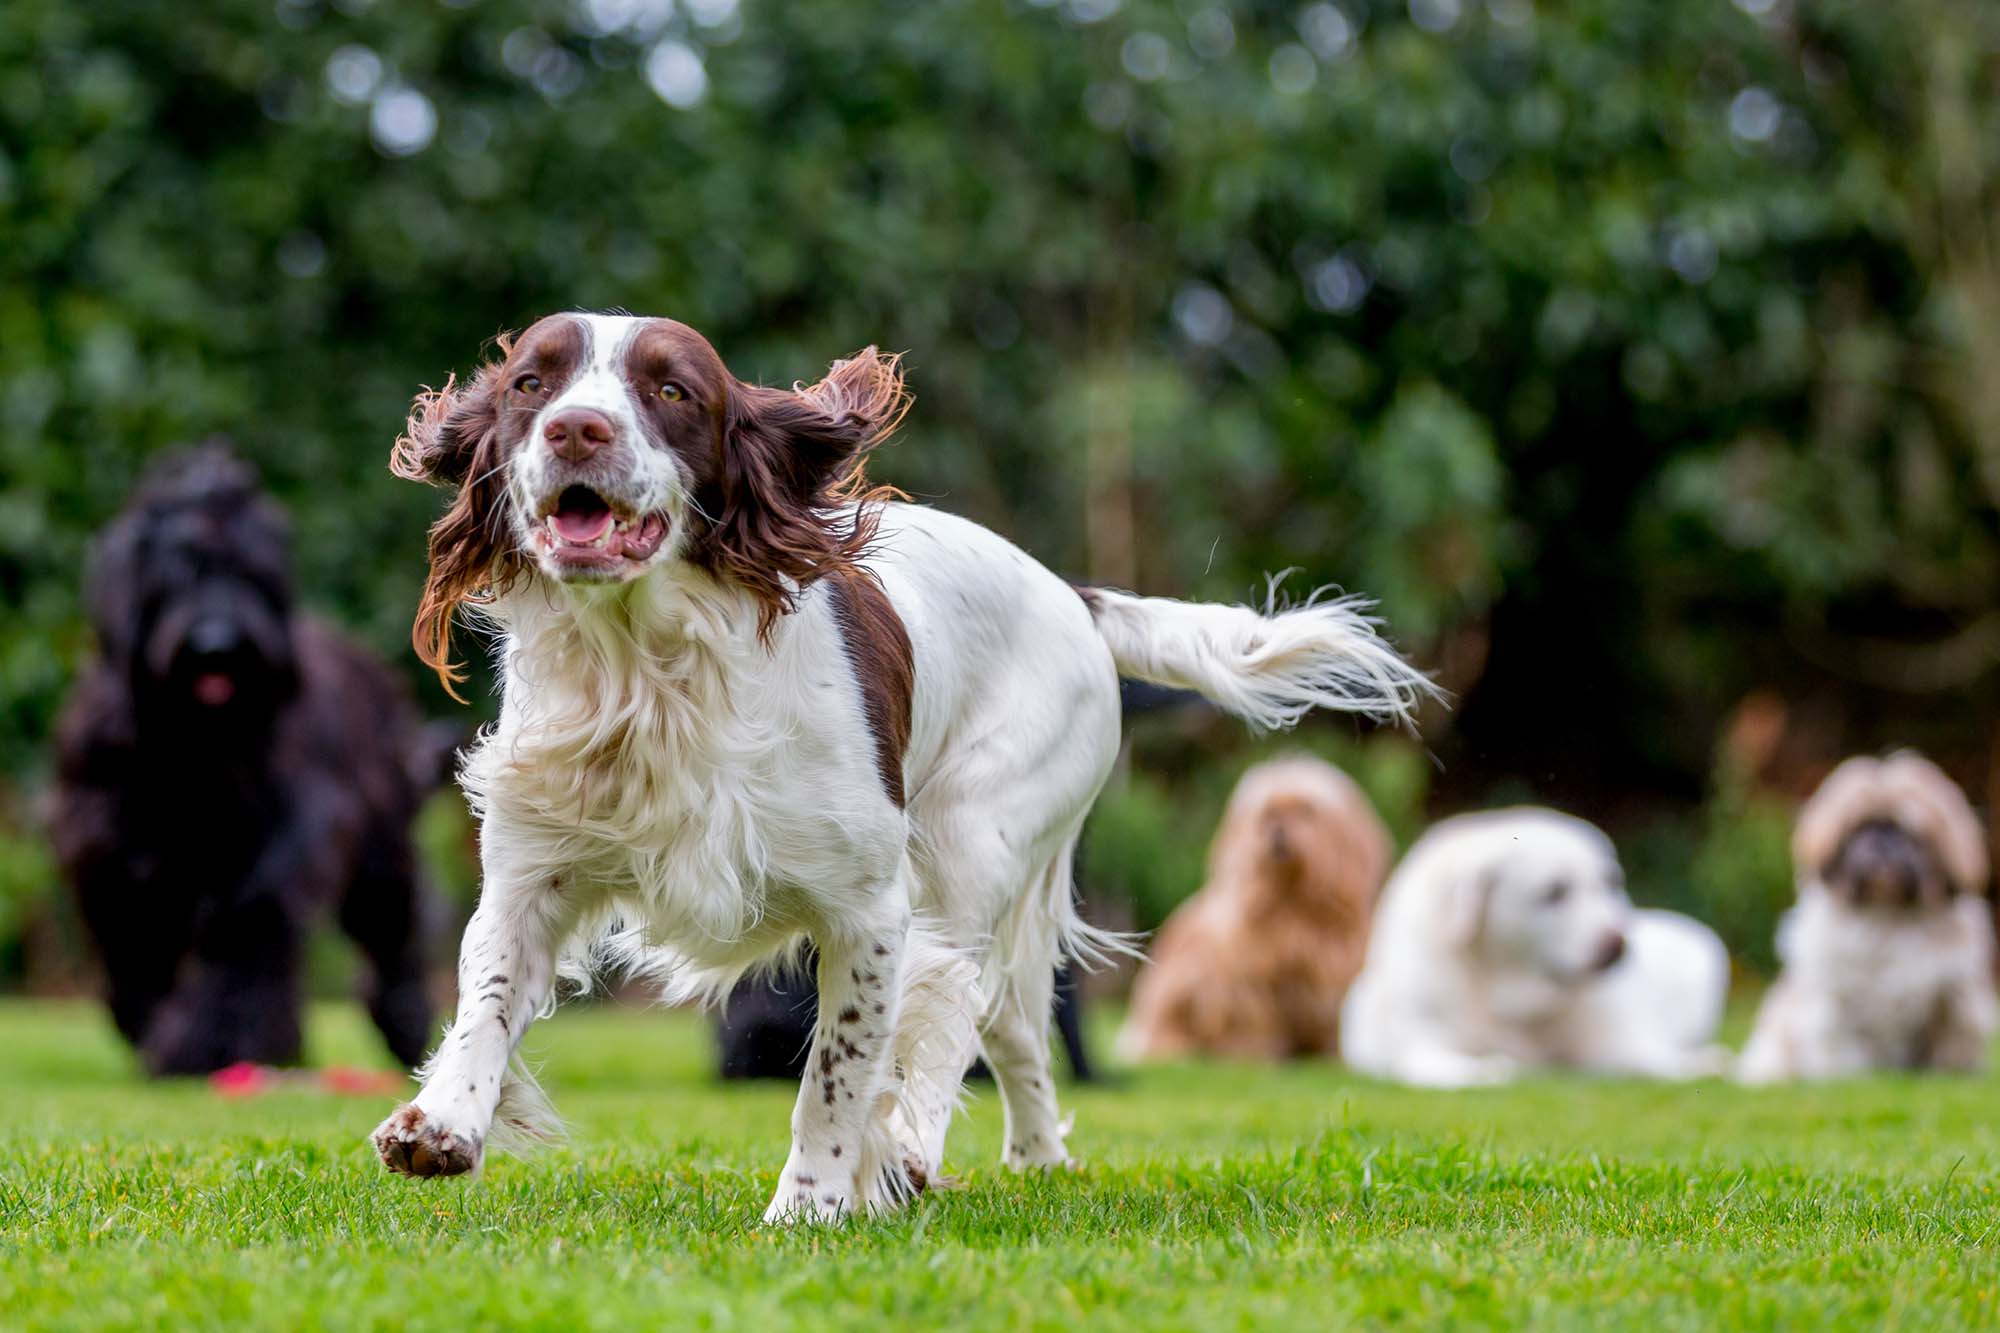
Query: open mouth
x,y
214,688
584,530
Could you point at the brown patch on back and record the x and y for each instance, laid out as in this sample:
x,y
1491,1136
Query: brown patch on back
x,y
884,664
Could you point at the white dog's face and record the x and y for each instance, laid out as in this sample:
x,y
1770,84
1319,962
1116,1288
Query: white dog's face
x,y
1552,902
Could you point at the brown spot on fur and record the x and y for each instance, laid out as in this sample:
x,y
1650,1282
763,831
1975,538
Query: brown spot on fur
x,y
850,1015
884,665
836,1150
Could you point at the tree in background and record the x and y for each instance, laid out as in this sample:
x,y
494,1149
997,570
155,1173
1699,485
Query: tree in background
x,y
1635,355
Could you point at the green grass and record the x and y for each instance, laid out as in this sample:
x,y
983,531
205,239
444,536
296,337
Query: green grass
x,y
1209,1198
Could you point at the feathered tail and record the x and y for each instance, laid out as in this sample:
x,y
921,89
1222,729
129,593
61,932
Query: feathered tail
x,y
1269,667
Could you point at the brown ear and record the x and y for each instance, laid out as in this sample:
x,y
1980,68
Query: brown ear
x,y
452,438
445,428
791,459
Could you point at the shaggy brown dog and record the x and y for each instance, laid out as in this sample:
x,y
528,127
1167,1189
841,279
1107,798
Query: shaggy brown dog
x,y
1255,965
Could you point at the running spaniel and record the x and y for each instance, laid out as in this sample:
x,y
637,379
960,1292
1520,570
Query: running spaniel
x,y
748,700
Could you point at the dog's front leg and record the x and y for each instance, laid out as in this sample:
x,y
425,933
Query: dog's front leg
x,y
506,970
1961,1028
850,1072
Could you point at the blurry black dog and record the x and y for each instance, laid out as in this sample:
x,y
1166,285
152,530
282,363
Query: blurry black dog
x,y
228,769
766,1025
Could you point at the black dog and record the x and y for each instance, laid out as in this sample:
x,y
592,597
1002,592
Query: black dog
x,y
766,1025
227,769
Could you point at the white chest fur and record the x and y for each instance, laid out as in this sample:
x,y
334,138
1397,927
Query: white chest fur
x,y
1886,973
656,756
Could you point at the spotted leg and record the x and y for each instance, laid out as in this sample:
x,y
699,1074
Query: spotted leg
x,y
840,1140
506,968
1016,1039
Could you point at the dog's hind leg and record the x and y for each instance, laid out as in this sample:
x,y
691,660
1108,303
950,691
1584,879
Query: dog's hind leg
x,y
1015,1032
383,915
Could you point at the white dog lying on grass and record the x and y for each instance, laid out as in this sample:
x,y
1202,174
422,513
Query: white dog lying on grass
x,y
1505,941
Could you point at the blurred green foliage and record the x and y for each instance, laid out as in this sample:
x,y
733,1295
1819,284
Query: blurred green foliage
x,y
1742,868
1632,354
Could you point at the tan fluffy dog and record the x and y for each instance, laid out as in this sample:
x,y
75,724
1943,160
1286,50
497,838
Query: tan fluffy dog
x,y
1888,955
1255,965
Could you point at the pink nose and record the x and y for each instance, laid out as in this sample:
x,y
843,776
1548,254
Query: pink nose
x,y
576,433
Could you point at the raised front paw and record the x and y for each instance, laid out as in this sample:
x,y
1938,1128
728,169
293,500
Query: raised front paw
x,y
412,1144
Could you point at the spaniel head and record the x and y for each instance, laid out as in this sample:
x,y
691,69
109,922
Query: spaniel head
x,y
599,447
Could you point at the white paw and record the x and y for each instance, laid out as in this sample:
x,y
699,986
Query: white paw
x,y
1482,1071
796,1202
413,1144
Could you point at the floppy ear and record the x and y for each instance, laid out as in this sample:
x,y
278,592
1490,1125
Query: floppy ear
x,y
792,458
453,438
1462,906
446,427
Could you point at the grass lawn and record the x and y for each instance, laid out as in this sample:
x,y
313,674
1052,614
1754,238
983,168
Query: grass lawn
x,y
1209,1198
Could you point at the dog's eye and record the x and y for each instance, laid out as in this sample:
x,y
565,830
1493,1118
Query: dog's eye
x,y
528,384
1555,892
672,392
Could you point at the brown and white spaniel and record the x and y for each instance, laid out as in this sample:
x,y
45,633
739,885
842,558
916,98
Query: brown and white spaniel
x,y
749,700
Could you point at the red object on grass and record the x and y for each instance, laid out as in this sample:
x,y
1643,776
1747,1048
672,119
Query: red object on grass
x,y
246,1079
242,1079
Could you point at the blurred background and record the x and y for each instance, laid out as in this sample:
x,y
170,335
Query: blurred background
x,y
1641,359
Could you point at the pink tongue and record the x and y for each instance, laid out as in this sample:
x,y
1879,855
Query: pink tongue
x,y
582,529
214,689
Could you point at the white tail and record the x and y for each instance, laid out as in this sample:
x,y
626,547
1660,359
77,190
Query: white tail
x,y
1270,668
